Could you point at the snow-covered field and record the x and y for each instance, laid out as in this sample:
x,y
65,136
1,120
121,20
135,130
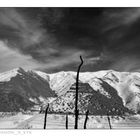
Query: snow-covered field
x,y
9,121
56,121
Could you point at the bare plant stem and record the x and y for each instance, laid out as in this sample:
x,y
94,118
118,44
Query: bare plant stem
x,y
109,121
66,121
45,118
85,123
76,97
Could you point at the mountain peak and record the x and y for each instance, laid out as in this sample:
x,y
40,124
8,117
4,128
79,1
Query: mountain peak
x,y
18,69
6,76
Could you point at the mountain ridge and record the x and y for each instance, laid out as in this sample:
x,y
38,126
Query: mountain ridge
x,y
127,84
23,89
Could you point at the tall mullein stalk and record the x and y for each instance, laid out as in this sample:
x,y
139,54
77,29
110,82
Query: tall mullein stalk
x,y
76,97
66,121
45,118
85,123
109,121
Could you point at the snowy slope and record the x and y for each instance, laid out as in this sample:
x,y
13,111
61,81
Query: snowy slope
x,y
6,76
20,89
126,84
41,84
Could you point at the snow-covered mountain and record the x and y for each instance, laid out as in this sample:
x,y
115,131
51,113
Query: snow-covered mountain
x,y
20,89
102,88
91,100
126,85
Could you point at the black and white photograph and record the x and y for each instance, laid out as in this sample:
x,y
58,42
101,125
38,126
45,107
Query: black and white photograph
x,y
69,68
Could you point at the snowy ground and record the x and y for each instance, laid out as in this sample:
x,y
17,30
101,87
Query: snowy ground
x,y
9,121
55,121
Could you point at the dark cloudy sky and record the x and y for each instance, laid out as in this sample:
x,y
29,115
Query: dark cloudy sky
x,y
52,39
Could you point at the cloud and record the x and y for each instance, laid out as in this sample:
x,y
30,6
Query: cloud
x,y
19,27
52,39
32,39
10,59
117,17
66,58
130,63
121,33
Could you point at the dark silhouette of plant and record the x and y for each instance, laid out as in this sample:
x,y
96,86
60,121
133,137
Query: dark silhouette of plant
x,y
85,123
109,121
45,118
66,121
76,97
